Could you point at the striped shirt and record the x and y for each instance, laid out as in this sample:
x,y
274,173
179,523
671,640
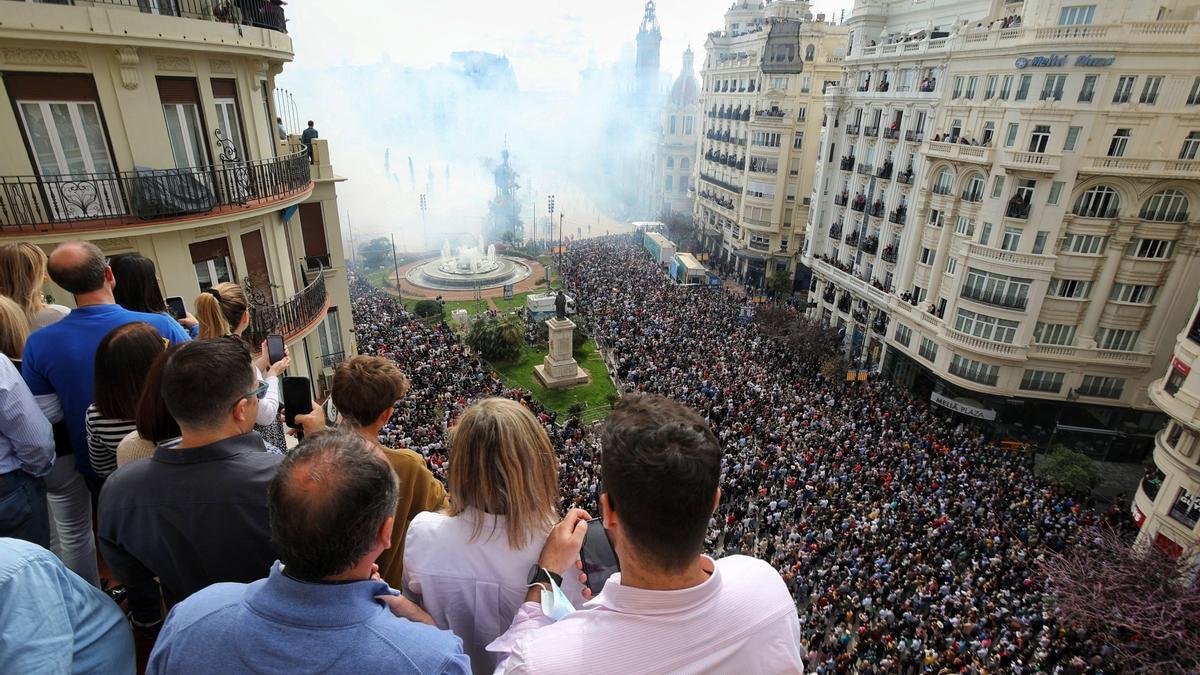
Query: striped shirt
x,y
103,437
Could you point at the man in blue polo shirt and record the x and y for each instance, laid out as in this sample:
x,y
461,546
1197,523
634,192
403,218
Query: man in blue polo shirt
x,y
60,360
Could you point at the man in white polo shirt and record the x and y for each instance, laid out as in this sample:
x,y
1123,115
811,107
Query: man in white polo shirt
x,y
670,608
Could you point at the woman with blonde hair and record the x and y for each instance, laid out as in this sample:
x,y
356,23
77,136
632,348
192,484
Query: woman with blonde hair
x,y
468,566
14,329
22,276
222,310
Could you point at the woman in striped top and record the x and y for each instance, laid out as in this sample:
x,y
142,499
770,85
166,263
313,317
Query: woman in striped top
x,y
122,362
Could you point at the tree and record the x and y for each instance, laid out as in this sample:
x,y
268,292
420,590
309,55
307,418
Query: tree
x,y
376,253
427,308
1138,599
780,283
497,338
1070,470
834,368
807,338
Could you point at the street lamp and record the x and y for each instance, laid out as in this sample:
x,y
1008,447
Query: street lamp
x,y
560,248
550,207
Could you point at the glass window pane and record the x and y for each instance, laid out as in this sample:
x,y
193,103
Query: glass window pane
x,y
64,127
39,139
93,133
175,133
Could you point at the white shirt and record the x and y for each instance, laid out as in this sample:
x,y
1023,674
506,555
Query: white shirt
x,y
473,588
741,620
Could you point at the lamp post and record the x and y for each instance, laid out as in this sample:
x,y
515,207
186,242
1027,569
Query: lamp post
x,y
396,268
550,207
560,248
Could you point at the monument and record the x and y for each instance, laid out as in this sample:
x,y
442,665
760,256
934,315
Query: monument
x,y
473,267
559,370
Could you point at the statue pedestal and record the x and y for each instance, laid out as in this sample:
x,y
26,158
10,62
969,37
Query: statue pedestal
x,y
560,370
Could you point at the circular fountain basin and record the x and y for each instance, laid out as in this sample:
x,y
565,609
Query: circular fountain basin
x,y
439,275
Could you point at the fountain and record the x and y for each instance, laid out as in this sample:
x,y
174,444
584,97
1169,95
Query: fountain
x,y
472,267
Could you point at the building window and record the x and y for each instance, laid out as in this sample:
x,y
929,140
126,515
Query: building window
x,y
1149,248
1012,239
919,294
996,289
810,52
986,327
798,140
936,218
1124,88
1186,509
964,227
1194,95
330,337
986,234
1150,90
688,125
903,334
1117,339
990,92
974,371
1191,146
670,162
1098,202
927,256
1172,385
1102,387
1056,189
1052,88
184,131
1119,143
670,184
1039,139
973,191
944,182
1074,289
672,124
928,350
1006,87
971,82
1137,294
1054,334
1088,90
1072,138
1039,242
1168,206
1011,136
1041,380
1076,15
1023,87
958,88
951,266
684,164
1174,432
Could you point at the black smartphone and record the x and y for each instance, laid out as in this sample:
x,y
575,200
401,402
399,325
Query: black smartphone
x,y
176,307
598,556
275,347
297,398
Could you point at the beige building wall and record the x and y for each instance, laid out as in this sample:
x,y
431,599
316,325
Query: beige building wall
x,y
762,93
113,57
1045,257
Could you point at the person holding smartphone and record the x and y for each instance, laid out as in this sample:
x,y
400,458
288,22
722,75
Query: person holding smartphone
x,y
670,608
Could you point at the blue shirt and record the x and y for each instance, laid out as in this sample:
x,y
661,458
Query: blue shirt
x,y
61,359
281,625
26,439
52,621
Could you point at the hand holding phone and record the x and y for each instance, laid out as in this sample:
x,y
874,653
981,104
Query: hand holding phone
x,y
297,398
598,556
275,348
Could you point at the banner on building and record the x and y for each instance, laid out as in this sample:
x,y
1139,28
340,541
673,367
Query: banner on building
x,y
964,408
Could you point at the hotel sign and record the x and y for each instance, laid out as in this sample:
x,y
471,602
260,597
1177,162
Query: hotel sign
x,y
964,408
1060,60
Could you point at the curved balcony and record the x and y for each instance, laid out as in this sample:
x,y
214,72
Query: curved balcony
x,y
293,318
257,13
977,154
77,203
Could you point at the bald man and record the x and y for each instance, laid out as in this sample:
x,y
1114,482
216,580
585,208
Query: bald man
x,y
332,507
59,364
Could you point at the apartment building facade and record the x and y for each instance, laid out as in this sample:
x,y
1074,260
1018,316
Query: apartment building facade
x,y
150,127
1007,226
678,130
762,93
1166,505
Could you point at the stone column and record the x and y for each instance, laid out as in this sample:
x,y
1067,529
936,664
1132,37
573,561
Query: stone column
x,y
559,370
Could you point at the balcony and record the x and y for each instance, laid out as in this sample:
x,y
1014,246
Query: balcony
x,y
1031,161
976,154
898,216
871,132
89,202
1016,301
852,129
905,178
889,254
1127,166
267,15
1017,209
980,345
891,134
331,361
913,136
1027,261
721,184
841,199
293,318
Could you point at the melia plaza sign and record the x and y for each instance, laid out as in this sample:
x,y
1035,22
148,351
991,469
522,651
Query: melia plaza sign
x,y
1060,60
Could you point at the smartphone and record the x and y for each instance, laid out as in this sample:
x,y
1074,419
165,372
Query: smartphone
x,y
297,398
176,307
275,347
598,556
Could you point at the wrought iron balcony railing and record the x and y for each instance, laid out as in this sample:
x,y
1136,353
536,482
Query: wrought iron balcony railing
x,y
289,317
332,360
259,13
31,204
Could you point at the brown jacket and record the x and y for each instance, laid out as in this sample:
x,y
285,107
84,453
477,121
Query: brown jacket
x,y
419,491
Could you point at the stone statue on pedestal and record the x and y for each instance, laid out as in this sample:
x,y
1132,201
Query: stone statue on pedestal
x,y
560,305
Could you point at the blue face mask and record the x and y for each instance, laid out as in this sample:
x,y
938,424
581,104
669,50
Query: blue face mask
x,y
555,603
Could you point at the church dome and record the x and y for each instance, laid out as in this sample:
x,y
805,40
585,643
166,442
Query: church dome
x,y
686,90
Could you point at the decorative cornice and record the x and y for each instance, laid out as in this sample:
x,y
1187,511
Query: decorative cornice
x,y
25,56
178,64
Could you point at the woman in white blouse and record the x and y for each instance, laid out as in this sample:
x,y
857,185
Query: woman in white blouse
x,y
468,566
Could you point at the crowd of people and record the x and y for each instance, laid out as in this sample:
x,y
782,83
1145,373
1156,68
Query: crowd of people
x,y
898,540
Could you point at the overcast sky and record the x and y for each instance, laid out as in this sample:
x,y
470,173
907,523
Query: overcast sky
x,y
548,41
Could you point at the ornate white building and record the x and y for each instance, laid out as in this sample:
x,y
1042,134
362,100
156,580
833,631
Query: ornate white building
x,y
677,142
151,128
1004,217
762,95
